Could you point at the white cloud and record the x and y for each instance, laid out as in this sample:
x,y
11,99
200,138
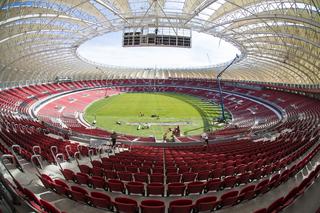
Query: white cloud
x,y
205,51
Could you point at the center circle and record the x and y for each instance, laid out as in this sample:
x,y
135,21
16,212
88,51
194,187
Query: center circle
x,y
153,114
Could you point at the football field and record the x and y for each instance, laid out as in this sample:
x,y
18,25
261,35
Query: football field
x,y
152,114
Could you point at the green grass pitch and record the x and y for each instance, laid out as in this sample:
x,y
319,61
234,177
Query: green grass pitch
x,y
191,113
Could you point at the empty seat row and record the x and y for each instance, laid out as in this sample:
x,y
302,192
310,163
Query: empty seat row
x,y
285,201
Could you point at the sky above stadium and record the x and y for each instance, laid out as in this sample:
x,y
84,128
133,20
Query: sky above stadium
x,y
206,50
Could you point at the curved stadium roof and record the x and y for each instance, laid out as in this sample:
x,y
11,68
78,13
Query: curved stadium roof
x,y
279,39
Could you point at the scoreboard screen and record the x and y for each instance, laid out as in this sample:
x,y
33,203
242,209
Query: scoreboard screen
x,y
157,36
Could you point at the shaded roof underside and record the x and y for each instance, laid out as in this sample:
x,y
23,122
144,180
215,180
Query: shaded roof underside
x,y
279,39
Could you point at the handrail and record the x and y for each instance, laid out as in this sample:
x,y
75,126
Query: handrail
x,y
10,157
68,149
90,153
13,194
38,157
105,149
131,142
100,150
77,156
15,156
79,147
16,146
54,152
35,148
58,157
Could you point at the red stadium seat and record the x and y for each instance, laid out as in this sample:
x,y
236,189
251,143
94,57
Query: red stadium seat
x,y
263,210
60,187
262,187
284,176
275,206
96,163
31,196
229,181
119,167
105,160
126,205
217,173
176,188
244,178
78,194
203,175
98,182
275,181
152,206
171,169
213,185
157,169
188,176
180,206
44,176
116,186
135,187
303,186
156,178
111,174
183,169
97,171
85,169
125,176
206,204
229,198
291,196
141,177
195,187
242,168
48,207
68,174
46,181
155,189
173,178
107,166
132,168
267,170
256,174
83,178
145,169
247,193
100,200
229,171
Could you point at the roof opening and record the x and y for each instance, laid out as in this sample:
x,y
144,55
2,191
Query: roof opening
x,y
206,51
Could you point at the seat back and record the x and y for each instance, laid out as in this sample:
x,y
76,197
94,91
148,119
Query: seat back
x,y
68,174
152,206
31,196
127,205
206,203
49,207
275,205
101,200
181,206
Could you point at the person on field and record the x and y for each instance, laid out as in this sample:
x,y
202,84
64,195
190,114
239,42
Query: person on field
x,y
176,131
